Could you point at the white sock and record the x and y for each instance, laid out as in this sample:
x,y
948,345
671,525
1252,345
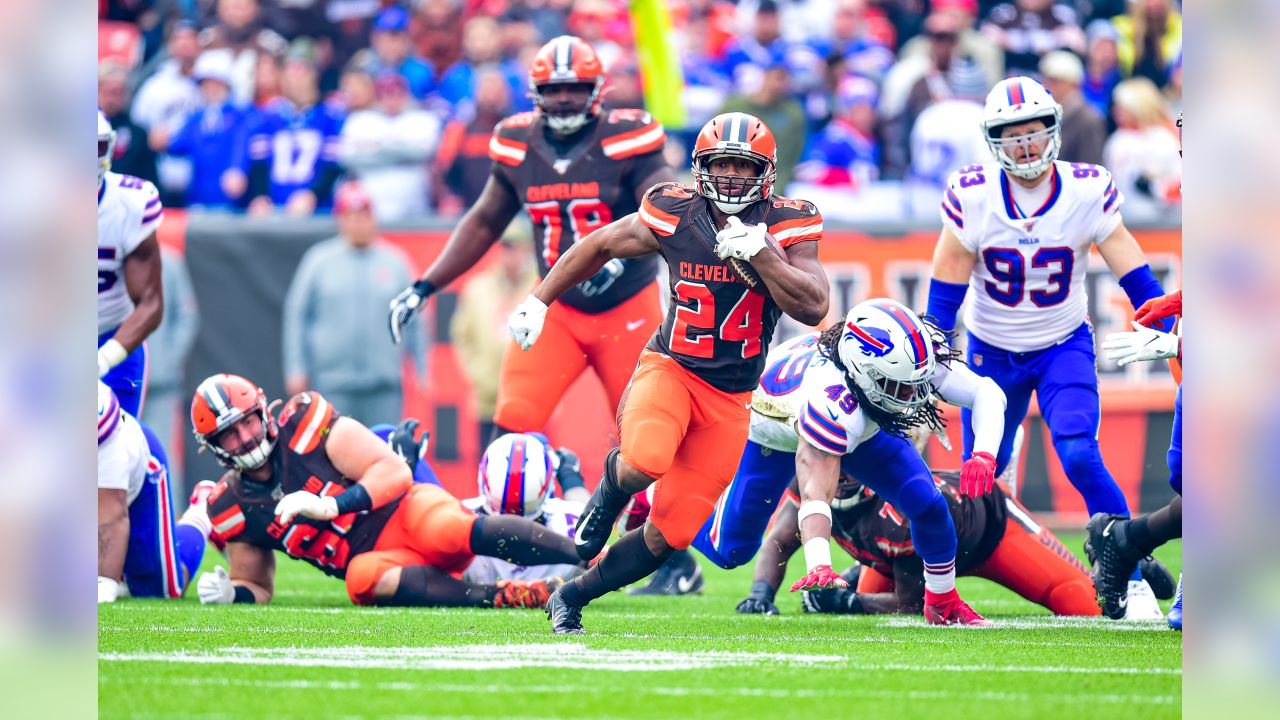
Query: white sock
x,y
197,516
940,579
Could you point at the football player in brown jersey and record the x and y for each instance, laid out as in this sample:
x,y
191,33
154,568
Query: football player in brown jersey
x,y
684,419
573,168
997,539
323,488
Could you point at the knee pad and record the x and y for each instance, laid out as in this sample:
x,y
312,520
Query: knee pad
x,y
1079,455
652,459
1076,597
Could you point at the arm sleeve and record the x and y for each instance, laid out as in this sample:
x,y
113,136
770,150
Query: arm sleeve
x,y
959,385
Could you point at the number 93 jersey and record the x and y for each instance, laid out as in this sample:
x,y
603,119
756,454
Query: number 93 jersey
x,y
129,211
1027,290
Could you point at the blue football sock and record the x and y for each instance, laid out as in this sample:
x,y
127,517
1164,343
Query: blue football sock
x,y
191,543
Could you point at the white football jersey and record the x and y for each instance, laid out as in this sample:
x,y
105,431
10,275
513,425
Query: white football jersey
x,y
129,211
803,395
1027,290
559,516
947,135
123,453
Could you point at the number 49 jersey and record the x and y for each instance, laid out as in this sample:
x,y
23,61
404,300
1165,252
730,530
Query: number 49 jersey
x,y
1027,290
571,191
129,211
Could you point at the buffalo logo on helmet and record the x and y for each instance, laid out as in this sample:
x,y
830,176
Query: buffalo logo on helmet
x,y
873,341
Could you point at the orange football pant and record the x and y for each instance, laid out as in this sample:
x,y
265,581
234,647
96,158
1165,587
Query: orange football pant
x,y
431,527
533,381
687,434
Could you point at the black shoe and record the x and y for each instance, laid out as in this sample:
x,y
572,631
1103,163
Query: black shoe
x,y
595,525
1153,571
565,619
1114,566
679,575
852,574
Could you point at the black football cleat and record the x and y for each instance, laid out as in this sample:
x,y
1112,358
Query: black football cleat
x,y
595,525
679,575
1159,577
1113,565
565,619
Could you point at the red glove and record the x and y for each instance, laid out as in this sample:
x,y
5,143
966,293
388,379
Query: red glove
x,y
1157,309
820,578
978,475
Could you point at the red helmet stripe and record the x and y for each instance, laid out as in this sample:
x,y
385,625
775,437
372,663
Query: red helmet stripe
x,y
513,493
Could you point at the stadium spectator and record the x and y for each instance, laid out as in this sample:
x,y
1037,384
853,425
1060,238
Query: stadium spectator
x,y
132,154
859,40
163,102
335,331
1027,29
912,86
479,325
481,45
388,148
845,154
1102,66
436,32
266,80
947,136
1150,39
167,347
605,26
1083,129
1143,154
356,89
747,55
239,28
970,42
212,137
292,149
705,87
772,102
463,163
392,51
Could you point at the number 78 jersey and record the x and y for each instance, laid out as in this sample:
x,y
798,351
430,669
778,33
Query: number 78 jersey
x,y
1027,290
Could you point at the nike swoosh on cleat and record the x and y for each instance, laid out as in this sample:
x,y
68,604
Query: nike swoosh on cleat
x,y
578,539
1124,601
1106,532
685,584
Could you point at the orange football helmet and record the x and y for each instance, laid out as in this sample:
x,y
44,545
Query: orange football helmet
x,y
567,60
742,135
223,400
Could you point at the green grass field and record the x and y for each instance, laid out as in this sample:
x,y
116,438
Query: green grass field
x,y
311,654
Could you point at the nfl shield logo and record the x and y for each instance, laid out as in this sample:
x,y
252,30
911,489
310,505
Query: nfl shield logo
x,y
1028,225
977,360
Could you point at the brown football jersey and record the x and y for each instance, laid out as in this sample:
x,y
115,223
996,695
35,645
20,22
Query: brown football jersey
x,y
571,189
243,510
715,326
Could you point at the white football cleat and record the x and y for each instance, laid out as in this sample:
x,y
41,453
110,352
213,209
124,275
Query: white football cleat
x,y
1140,603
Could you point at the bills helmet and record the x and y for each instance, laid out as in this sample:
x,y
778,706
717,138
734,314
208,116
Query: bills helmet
x,y
106,146
741,135
220,402
889,353
567,60
1013,102
516,474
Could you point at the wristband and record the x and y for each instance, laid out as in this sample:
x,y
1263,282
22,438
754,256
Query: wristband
x,y
244,595
425,287
113,352
353,499
1140,285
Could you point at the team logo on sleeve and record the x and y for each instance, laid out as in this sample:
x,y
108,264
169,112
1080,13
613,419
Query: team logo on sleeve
x,y
873,341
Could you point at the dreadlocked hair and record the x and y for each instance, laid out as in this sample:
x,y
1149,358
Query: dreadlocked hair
x,y
890,422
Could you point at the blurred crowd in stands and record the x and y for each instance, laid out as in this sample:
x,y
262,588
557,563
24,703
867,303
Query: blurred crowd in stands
x,y
262,106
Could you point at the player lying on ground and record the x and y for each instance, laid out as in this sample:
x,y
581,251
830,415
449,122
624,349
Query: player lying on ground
x,y
130,297
1119,542
139,544
517,477
1016,239
686,413
843,401
998,539
322,488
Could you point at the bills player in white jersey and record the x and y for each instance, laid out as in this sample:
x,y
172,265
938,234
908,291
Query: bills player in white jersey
x,y
130,301
843,401
139,544
517,476
1016,238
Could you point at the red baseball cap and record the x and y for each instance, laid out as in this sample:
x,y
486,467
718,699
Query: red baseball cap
x,y
969,6
350,197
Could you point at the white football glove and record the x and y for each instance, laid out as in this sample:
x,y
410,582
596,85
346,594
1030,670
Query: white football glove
x,y
306,504
740,241
215,588
525,323
108,590
1143,344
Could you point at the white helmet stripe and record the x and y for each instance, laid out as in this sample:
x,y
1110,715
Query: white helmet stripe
x,y
737,133
564,55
